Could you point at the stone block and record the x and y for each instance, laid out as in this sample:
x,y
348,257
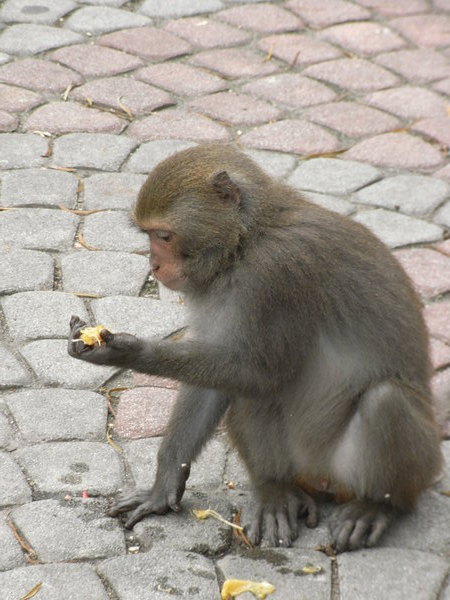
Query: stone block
x,y
44,187
12,372
25,270
181,79
27,39
40,75
101,19
113,230
147,42
112,190
46,12
144,412
206,33
149,154
101,151
14,488
18,150
95,61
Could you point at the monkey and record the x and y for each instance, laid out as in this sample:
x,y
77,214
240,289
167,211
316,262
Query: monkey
x,y
304,332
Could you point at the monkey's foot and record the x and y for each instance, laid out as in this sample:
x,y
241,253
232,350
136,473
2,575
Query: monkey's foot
x,y
360,524
278,510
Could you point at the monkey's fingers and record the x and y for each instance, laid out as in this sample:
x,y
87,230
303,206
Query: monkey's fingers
x,y
129,502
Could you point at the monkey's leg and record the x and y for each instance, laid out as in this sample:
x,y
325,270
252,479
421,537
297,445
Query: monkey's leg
x,y
387,456
194,419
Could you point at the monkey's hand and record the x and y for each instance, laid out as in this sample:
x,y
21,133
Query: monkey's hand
x,y
114,349
277,513
165,495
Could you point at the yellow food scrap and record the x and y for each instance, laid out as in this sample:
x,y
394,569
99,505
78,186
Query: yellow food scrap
x,y
91,335
309,569
201,515
234,587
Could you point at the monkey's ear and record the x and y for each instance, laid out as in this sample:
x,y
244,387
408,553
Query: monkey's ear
x,y
226,188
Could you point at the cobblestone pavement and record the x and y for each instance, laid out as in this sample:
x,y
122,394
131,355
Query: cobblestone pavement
x,y
347,100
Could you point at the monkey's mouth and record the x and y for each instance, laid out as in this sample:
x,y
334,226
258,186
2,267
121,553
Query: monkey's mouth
x,y
177,284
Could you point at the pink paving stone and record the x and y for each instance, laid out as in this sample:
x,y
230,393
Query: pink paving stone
x,y
290,89
354,74
300,137
428,269
178,124
298,49
321,13
440,387
36,74
140,98
8,122
425,30
399,7
144,412
235,108
443,86
181,79
440,353
444,247
264,18
442,5
234,63
15,99
409,102
437,129
352,119
443,173
418,66
148,42
363,39
69,117
207,33
398,150
437,317
142,380
96,61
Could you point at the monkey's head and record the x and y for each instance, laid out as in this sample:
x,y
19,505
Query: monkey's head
x,y
198,206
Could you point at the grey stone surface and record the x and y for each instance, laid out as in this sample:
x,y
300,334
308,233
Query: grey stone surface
x,y
12,371
13,486
275,164
71,467
145,317
7,437
19,150
53,365
58,414
149,154
283,569
333,176
112,190
179,8
104,273
58,581
236,471
387,572
114,230
397,230
103,151
81,528
38,228
161,573
415,195
95,20
24,11
36,315
28,39
25,270
442,216
38,187
334,203
11,555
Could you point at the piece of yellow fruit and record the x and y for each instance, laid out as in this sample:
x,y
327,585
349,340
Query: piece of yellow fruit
x,y
234,587
91,335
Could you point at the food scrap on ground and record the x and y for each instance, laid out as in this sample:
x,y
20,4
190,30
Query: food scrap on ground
x,y
234,587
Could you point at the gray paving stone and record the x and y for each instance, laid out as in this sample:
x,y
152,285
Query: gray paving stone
x,y
415,195
71,467
283,569
25,270
11,370
397,230
106,2
53,365
182,531
206,471
145,317
275,164
18,150
58,581
11,555
443,215
38,187
391,573
104,273
7,436
38,228
4,58
24,11
236,471
112,190
82,530
339,205
37,315
114,230
160,573
179,8
13,486
149,154
102,151
51,414
333,176
27,39
95,20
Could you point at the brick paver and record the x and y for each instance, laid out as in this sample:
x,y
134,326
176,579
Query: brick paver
x,y
347,101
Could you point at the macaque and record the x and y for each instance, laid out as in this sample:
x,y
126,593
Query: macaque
x,y
303,330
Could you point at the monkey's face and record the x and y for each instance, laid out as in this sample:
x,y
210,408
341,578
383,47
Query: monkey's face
x,y
165,258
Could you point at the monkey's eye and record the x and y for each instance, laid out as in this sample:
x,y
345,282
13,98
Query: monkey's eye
x,y
166,236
